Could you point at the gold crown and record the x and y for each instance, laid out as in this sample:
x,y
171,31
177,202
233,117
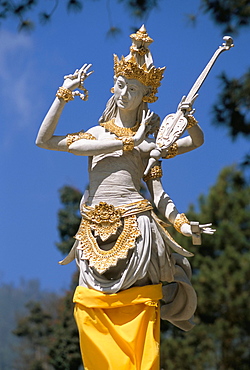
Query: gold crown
x,y
130,67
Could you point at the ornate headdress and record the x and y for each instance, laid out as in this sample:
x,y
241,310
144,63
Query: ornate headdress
x,y
139,64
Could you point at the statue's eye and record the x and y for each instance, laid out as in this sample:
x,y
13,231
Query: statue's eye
x,y
132,88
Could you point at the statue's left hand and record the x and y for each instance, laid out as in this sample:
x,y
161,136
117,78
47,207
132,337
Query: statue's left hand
x,y
144,127
187,106
75,80
206,229
195,230
203,229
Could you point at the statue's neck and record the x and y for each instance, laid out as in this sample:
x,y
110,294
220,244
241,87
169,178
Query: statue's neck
x,y
125,118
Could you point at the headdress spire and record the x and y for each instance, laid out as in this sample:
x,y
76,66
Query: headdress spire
x,y
139,64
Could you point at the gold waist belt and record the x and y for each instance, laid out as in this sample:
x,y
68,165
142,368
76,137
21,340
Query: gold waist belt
x,y
103,220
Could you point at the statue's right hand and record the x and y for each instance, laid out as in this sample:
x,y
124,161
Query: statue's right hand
x,y
75,80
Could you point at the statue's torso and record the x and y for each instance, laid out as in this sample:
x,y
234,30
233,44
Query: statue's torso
x,y
116,177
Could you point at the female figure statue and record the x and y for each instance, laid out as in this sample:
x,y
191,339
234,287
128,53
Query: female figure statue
x,y
127,260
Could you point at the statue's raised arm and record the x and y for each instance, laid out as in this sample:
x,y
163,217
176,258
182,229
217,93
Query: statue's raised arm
x,y
46,138
174,125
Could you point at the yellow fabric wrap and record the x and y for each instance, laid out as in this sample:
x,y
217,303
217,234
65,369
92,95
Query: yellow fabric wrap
x,y
119,331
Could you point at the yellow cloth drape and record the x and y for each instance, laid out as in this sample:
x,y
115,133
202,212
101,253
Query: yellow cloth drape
x,y
119,331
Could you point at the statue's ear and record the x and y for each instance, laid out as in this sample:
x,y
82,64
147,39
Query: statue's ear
x,y
112,88
147,93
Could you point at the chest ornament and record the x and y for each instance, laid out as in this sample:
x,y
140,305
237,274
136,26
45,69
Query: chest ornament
x,y
120,131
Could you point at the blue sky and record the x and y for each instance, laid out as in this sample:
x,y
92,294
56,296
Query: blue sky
x,y
32,67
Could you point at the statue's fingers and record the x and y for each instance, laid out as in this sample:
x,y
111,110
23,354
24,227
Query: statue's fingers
x,y
84,66
89,73
194,98
206,225
88,66
208,231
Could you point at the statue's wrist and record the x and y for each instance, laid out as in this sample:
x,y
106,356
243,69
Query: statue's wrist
x,y
180,220
191,121
185,229
128,143
137,141
65,94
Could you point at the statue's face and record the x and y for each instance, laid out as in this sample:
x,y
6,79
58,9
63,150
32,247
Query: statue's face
x,y
128,93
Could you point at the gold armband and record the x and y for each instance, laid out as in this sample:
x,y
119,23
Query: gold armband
x,y
172,151
179,221
154,173
191,121
128,143
71,138
65,94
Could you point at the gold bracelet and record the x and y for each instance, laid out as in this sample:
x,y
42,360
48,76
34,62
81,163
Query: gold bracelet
x,y
128,143
172,151
65,94
154,173
71,138
179,221
191,121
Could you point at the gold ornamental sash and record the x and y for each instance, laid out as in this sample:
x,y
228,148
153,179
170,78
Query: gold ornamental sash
x,y
103,220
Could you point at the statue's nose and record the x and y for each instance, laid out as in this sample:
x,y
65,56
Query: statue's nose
x,y
124,90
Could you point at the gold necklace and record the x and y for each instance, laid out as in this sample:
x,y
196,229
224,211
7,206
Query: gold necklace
x,y
120,131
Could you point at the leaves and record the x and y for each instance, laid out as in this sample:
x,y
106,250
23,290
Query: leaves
x,y
68,217
74,5
222,282
49,340
233,105
141,8
230,14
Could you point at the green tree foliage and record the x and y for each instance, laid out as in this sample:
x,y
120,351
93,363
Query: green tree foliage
x,y
222,280
22,9
36,329
68,217
141,8
50,341
64,350
12,305
232,109
230,14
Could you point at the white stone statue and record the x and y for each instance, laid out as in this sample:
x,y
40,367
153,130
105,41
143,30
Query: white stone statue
x,y
121,244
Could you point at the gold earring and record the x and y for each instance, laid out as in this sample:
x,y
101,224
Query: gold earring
x,y
112,90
